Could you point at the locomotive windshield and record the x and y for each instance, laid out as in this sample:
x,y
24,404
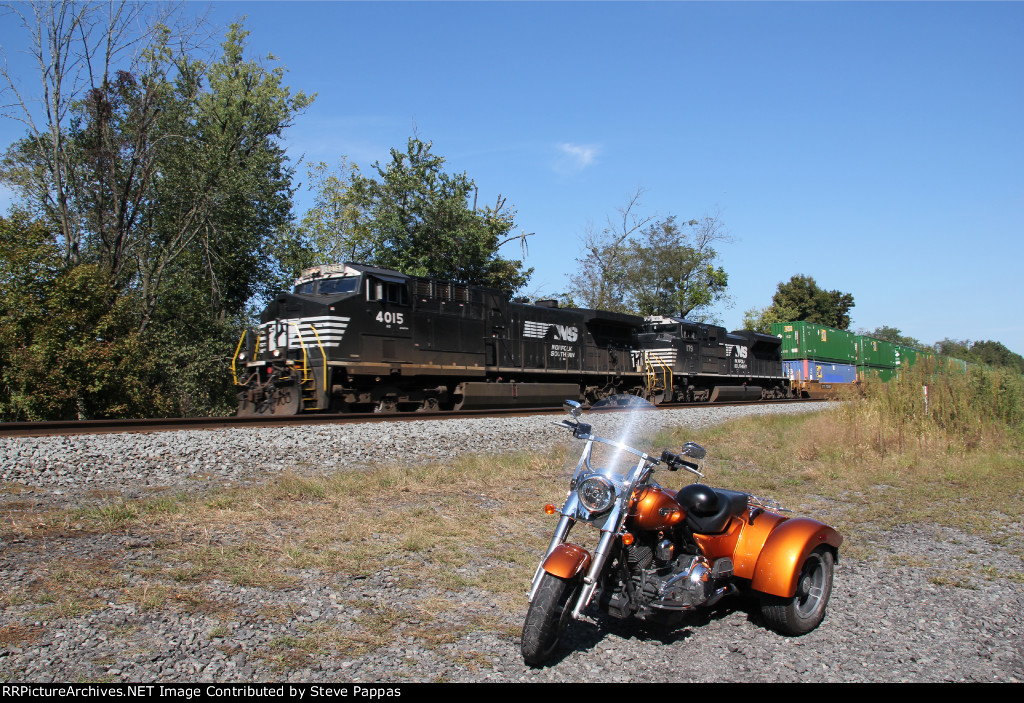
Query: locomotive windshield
x,y
329,286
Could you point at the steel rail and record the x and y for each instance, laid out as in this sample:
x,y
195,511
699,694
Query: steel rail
x,y
167,424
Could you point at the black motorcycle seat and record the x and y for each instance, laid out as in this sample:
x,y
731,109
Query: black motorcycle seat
x,y
711,517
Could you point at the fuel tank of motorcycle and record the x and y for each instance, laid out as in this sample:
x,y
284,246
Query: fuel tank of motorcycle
x,y
656,509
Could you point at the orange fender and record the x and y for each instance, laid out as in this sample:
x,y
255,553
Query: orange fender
x,y
566,561
778,565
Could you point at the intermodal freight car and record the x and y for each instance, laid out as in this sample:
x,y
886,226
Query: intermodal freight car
x,y
350,337
823,361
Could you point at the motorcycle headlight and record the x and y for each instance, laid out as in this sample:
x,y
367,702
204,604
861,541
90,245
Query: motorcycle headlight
x,y
596,493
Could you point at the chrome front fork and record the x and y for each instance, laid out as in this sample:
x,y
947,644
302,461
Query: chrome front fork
x,y
596,567
561,532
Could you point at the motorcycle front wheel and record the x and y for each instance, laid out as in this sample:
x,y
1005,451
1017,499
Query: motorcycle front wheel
x,y
806,609
548,616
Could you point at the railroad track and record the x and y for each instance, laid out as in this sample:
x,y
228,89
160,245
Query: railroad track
x,y
72,427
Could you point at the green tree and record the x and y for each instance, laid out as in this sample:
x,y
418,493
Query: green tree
x,y
762,319
651,267
68,348
327,233
894,335
672,270
801,298
997,354
167,199
989,352
414,218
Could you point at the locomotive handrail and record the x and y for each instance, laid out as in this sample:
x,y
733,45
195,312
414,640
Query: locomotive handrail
x,y
241,339
322,352
305,355
652,372
302,343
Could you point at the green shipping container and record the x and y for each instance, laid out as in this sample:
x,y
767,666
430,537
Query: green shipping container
x,y
876,352
908,356
882,373
808,340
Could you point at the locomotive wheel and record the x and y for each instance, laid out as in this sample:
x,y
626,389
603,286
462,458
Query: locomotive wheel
x,y
806,609
386,405
549,615
429,405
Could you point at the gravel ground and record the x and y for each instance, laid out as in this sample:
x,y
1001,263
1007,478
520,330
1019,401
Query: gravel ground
x,y
930,604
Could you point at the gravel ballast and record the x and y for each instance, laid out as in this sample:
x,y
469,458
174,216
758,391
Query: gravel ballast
x,y
926,603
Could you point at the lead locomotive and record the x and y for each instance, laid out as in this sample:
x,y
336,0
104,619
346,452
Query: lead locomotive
x,y
350,337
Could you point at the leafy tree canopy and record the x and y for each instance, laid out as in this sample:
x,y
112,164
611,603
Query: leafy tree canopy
x,y
651,267
412,217
894,335
155,188
799,299
988,352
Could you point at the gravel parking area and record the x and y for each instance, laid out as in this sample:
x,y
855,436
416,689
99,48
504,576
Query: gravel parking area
x,y
926,604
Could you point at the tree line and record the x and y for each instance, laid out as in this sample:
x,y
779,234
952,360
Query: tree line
x,y
801,298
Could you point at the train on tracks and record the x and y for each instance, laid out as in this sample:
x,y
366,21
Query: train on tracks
x,y
825,362
355,338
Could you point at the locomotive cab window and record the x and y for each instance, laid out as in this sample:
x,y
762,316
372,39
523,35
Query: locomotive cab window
x,y
329,286
335,286
387,292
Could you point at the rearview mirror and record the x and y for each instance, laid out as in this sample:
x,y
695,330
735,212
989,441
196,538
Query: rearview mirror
x,y
573,408
694,450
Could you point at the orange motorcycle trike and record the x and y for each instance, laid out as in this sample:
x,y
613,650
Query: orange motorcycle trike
x,y
662,552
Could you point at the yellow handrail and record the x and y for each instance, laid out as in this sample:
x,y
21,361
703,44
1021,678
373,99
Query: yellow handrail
x,y
241,339
302,343
652,370
322,352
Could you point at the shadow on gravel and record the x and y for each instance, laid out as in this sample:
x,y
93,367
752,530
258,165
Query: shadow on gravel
x,y
582,637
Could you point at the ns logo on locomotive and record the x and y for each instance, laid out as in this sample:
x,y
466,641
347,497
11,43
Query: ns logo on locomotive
x,y
355,338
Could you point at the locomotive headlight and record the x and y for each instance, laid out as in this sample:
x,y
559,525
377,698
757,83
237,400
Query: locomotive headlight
x,y
243,356
596,493
277,353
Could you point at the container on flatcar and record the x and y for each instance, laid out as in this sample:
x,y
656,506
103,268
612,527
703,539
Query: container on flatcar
x,y
876,352
822,371
908,356
809,340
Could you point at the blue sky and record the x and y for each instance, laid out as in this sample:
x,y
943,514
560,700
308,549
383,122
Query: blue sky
x,y
877,147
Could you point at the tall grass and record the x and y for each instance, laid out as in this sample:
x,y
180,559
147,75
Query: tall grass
x,y
887,457
931,406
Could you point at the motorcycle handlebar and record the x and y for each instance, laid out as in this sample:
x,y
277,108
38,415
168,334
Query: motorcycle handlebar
x,y
675,462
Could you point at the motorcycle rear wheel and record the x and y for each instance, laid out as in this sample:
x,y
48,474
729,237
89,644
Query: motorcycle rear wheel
x,y
806,609
548,616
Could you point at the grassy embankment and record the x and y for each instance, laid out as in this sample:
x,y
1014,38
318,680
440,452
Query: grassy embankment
x,y
476,526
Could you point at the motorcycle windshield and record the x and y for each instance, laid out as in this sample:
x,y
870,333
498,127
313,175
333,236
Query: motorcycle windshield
x,y
609,466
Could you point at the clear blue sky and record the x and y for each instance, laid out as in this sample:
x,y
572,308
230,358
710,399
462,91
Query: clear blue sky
x,y
878,147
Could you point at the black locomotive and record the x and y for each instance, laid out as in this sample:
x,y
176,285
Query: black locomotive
x,y
357,338
693,362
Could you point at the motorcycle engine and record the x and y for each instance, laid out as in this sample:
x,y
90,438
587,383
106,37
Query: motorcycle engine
x,y
659,580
